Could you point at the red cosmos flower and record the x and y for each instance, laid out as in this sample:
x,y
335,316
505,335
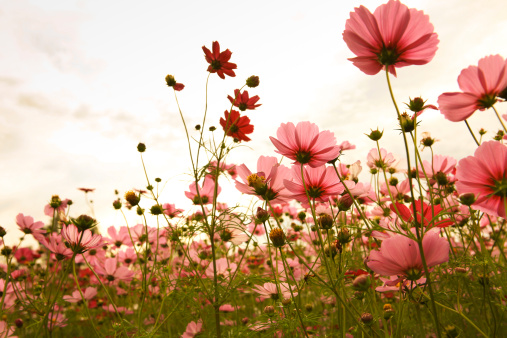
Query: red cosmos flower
x,y
480,85
243,101
236,126
305,144
86,190
424,215
393,36
219,62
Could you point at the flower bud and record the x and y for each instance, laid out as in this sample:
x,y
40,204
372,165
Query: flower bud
x,y
286,302
262,215
132,198
141,147
156,210
84,222
361,282
170,80
269,310
326,221
252,81
277,237
407,123
309,307
117,204
344,236
367,318
375,135
2,232
19,323
467,199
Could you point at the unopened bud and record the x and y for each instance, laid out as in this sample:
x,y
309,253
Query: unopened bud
x,y
262,215
141,147
269,310
367,318
252,81
361,282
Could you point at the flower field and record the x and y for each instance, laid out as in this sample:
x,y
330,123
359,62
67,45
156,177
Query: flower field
x,y
383,246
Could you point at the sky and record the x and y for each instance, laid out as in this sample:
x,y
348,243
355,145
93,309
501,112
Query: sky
x,y
82,83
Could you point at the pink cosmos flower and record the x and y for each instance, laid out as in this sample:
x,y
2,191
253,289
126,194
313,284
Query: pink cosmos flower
x,y
7,331
485,175
57,205
224,268
170,210
267,182
192,330
118,237
56,245
128,256
379,161
112,272
80,242
439,170
393,36
206,192
88,294
480,85
269,290
321,183
399,255
305,144
28,226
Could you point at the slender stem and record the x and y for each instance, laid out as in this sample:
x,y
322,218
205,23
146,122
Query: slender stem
x,y
83,298
471,132
499,118
419,235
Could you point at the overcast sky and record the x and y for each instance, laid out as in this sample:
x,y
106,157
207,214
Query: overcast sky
x,y
82,82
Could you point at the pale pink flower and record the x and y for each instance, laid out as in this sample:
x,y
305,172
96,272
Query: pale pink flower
x,y
224,268
80,242
28,226
170,210
321,183
399,255
56,245
88,294
380,160
267,182
192,330
63,204
121,309
439,170
128,256
118,237
305,144
6,331
485,175
480,85
256,229
269,290
206,193
112,272
393,36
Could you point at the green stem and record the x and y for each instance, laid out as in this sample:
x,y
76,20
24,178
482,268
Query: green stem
x,y
472,133
419,235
